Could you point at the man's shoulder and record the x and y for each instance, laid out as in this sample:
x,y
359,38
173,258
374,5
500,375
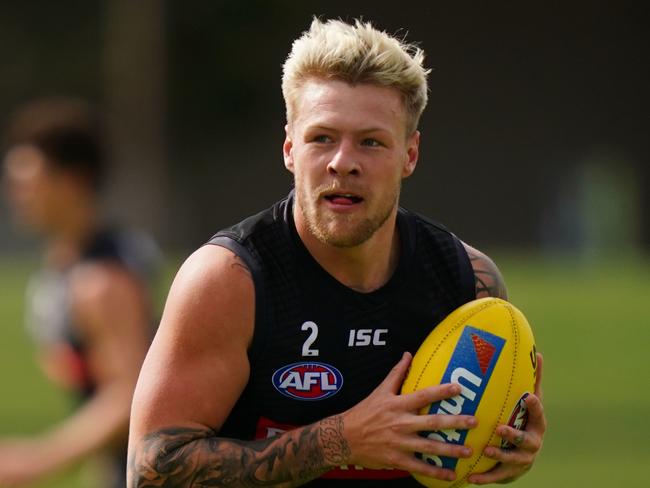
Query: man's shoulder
x,y
208,266
487,277
212,293
261,240
94,280
489,281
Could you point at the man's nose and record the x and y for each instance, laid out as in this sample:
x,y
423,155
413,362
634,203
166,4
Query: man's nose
x,y
345,161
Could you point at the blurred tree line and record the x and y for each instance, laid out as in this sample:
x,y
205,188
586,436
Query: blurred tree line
x,y
536,131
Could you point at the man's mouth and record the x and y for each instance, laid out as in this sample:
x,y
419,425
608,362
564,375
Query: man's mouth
x,y
343,198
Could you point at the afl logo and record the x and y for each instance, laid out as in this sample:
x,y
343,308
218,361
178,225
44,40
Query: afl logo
x,y
308,381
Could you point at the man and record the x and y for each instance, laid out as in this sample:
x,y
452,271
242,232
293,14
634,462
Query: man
x,y
272,364
89,308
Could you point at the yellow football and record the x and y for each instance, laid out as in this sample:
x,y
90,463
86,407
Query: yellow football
x,y
488,348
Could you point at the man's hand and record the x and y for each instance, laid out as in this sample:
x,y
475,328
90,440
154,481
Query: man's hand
x,y
515,462
382,430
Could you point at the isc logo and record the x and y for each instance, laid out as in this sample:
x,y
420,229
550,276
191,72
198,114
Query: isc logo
x,y
308,380
367,337
471,367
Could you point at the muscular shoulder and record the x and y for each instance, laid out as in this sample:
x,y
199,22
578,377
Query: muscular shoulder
x,y
488,278
212,297
197,366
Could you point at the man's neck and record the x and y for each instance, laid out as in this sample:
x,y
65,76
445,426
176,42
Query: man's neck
x,y
363,268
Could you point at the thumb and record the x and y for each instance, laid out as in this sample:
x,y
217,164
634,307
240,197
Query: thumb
x,y
395,378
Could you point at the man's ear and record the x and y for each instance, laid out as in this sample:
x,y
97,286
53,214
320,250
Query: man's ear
x,y
287,149
412,153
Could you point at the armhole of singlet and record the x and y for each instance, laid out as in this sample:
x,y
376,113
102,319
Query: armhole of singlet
x,y
259,331
467,278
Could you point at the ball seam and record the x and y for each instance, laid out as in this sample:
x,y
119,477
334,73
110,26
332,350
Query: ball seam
x,y
459,323
515,334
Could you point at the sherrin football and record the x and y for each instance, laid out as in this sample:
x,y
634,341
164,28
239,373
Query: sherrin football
x,y
487,347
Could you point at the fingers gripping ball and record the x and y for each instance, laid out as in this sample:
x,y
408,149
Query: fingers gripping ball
x,y
487,347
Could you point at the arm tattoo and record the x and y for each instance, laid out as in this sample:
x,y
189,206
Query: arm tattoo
x,y
183,457
335,447
238,263
488,279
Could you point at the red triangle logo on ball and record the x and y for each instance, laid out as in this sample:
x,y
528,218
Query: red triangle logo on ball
x,y
484,352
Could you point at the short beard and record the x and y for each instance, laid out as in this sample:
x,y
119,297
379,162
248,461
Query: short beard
x,y
363,231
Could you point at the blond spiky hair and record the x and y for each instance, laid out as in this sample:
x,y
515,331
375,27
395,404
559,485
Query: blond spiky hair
x,y
356,53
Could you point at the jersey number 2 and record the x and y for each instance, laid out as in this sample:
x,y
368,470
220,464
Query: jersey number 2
x,y
306,347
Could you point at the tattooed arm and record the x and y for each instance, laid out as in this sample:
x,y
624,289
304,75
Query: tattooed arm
x,y
184,457
489,282
196,369
194,373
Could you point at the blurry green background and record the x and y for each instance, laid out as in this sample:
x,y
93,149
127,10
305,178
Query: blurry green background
x,y
535,149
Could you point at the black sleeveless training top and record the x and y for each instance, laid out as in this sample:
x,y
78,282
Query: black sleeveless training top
x,y
320,347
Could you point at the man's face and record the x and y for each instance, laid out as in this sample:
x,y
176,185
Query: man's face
x,y
35,191
348,150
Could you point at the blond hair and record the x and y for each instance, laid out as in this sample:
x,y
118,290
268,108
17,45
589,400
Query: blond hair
x,y
356,53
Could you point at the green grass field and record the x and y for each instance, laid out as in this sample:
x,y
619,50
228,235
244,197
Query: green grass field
x,y
591,322
593,326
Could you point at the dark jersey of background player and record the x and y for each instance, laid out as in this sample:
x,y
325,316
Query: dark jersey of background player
x,y
88,307
50,319
62,343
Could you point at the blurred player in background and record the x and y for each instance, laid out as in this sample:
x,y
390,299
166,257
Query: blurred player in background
x,y
89,307
283,343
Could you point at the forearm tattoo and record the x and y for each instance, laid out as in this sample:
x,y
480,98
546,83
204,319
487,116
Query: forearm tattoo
x,y
488,279
335,447
182,457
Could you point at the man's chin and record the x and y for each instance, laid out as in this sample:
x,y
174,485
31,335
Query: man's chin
x,y
344,237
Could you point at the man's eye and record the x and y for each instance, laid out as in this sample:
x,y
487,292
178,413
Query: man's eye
x,y
322,138
370,142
